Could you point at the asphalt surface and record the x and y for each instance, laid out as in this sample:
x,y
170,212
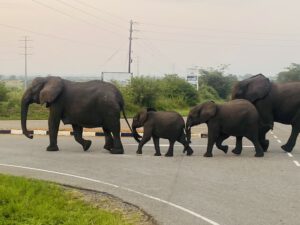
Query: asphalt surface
x,y
225,189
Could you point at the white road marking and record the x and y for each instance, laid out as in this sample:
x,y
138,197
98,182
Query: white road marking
x,y
289,154
16,132
119,187
167,145
296,163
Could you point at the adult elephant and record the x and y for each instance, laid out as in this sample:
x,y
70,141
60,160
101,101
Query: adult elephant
x,y
275,103
81,104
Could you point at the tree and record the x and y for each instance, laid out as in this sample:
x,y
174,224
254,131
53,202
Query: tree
x,y
217,79
292,73
174,87
144,91
3,92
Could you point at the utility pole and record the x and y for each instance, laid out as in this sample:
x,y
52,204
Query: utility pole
x,y
137,66
130,40
25,56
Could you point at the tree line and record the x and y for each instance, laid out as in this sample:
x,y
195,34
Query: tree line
x,y
170,92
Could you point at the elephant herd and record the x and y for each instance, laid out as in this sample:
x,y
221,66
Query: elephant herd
x,y
256,104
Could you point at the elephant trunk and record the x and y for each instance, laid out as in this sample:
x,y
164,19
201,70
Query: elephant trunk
x,y
188,130
188,134
26,100
136,134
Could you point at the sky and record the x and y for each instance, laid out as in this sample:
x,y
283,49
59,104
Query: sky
x,y
87,37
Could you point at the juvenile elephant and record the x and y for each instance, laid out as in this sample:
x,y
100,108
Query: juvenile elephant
x,y
274,102
234,118
168,125
81,104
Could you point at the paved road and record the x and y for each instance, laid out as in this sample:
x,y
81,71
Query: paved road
x,y
43,125
225,189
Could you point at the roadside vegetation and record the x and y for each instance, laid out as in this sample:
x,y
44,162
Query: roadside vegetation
x,y
170,92
28,201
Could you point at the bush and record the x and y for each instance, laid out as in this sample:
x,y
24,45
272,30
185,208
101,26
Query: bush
x,y
216,78
208,93
292,73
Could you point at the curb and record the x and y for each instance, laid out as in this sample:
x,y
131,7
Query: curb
x,y
71,133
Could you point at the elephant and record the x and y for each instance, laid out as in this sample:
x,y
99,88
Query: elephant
x,y
81,104
160,124
235,118
274,102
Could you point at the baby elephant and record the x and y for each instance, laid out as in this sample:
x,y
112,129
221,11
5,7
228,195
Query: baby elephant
x,y
235,118
168,125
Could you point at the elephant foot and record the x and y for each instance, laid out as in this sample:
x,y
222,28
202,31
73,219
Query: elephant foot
x,y
157,154
139,152
287,148
237,151
117,151
108,147
208,154
189,151
224,148
169,154
265,145
259,154
86,145
52,148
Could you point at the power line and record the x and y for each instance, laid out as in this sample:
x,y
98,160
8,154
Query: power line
x,y
212,43
73,17
101,10
89,14
51,36
176,27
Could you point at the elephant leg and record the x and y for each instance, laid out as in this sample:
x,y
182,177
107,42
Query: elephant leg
x,y
238,145
288,147
156,145
258,149
53,124
109,142
262,138
146,137
219,142
212,137
171,149
86,144
182,139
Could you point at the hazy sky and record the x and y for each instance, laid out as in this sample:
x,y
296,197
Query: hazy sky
x,y
72,37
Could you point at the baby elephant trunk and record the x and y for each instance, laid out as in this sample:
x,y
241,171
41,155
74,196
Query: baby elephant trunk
x,y
136,135
188,134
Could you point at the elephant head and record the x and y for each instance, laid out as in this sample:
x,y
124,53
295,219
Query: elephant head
x,y
200,114
42,90
253,89
139,120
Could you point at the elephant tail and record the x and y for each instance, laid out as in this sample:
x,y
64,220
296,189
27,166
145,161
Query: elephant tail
x,y
135,135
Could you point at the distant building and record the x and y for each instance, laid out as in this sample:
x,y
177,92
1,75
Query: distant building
x,y
192,77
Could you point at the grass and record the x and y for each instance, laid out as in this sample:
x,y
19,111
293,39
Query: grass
x,y
27,201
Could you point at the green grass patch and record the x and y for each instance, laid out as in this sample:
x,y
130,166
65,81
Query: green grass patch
x,y
33,202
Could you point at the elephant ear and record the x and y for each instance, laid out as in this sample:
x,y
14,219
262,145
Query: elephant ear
x,y
52,88
258,87
208,110
143,116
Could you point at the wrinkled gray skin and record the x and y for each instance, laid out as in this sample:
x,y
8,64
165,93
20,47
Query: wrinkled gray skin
x,y
275,102
81,104
167,125
235,118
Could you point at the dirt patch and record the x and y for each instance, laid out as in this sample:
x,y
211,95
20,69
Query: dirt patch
x,y
102,200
